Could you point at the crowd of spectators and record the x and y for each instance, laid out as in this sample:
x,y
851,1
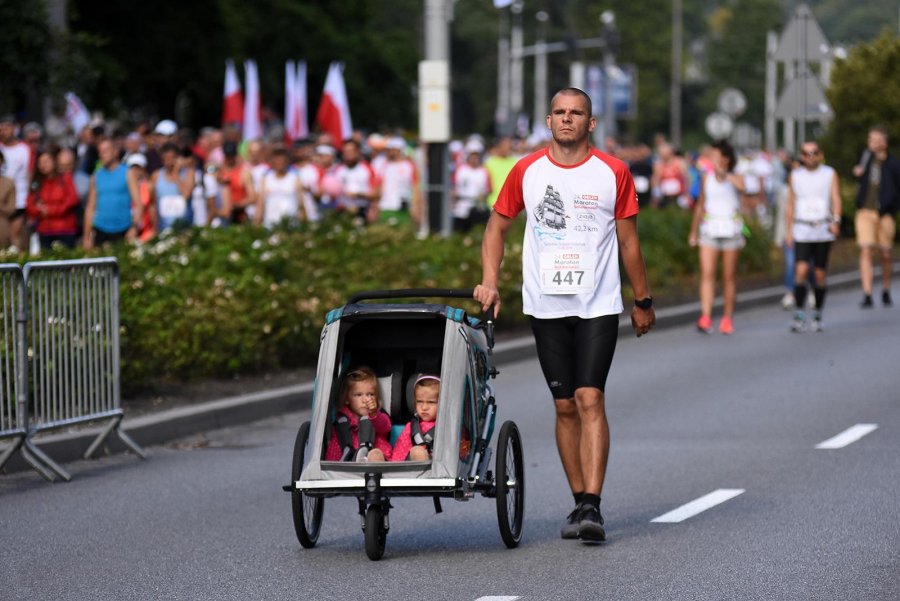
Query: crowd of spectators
x,y
111,183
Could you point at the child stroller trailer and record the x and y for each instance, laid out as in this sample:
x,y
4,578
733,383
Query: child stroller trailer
x,y
399,342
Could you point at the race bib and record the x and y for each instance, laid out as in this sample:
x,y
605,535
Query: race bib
x,y
172,207
722,227
670,187
567,272
810,208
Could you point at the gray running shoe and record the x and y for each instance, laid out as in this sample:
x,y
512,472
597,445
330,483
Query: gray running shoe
x,y
590,528
815,324
570,527
799,323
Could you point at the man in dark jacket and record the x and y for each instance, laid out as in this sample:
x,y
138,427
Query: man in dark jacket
x,y
877,202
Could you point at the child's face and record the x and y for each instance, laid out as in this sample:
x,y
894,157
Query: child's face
x,y
362,398
427,402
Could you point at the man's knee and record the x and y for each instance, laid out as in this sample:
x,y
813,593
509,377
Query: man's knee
x,y
590,402
566,409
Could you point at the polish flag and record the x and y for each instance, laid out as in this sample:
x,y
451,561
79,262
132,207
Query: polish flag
x,y
233,100
77,114
295,121
333,115
252,122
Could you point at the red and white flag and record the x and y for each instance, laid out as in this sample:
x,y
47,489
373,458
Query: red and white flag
x,y
295,119
333,115
77,114
252,121
232,98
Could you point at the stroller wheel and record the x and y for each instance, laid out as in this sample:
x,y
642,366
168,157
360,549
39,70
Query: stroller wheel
x,y
307,510
376,533
510,484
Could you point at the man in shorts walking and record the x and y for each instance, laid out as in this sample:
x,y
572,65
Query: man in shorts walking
x,y
813,215
581,208
877,202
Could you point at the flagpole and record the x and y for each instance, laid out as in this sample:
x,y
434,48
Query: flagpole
x,y
434,112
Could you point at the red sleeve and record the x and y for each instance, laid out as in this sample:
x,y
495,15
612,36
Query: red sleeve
x,y
403,444
68,198
626,196
382,423
31,205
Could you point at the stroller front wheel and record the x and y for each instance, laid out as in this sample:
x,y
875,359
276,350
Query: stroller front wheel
x,y
376,533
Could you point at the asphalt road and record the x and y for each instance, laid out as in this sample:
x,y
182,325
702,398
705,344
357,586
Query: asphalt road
x,y
691,415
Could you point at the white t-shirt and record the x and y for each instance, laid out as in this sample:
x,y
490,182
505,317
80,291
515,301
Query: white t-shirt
x,y
747,169
209,189
570,262
358,179
309,177
470,183
17,168
721,206
398,179
812,203
280,200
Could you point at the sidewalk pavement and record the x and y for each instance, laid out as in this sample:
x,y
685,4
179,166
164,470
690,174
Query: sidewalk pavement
x,y
171,424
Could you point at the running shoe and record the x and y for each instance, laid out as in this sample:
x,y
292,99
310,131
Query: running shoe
x,y
815,324
704,324
725,326
570,527
886,299
590,527
866,302
787,301
799,323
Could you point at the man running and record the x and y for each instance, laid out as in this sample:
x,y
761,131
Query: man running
x,y
813,215
581,208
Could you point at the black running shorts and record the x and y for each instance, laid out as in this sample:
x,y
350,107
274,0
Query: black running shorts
x,y
575,352
815,251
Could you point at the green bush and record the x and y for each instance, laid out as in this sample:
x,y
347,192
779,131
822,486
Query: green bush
x,y
215,303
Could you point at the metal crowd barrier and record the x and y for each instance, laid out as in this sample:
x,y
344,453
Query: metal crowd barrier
x,y
13,378
73,336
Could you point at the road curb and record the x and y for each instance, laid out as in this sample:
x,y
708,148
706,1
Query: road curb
x,y
171,424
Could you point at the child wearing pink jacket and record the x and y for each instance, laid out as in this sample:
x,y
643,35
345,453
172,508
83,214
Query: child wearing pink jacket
x,y
360,431
416,440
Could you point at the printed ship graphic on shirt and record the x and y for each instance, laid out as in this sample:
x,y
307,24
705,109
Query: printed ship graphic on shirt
x,y
551,212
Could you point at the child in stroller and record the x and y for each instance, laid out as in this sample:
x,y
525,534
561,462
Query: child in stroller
x,y
360,430
416,440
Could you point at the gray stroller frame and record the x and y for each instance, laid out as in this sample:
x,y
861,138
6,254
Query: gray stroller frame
x,y
399,342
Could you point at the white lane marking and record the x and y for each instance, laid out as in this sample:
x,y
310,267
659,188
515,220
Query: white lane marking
x,y
497,598
848,436
689,510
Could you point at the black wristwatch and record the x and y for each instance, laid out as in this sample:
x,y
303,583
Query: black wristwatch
x,y
644,303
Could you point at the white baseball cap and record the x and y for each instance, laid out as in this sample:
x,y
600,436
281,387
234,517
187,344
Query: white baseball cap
x,y
395,143
136,160
166,127
325,149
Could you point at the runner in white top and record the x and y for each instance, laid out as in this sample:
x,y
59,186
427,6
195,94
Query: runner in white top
x,y
581,211
471,186
400,195
280,192
309,178
16,167
718,208
813,219
358,184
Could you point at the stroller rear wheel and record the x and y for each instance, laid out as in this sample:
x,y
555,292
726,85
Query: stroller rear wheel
x,y
510,484
307,510
376,533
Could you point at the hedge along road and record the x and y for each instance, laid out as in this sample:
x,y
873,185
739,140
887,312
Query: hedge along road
x,y
692,415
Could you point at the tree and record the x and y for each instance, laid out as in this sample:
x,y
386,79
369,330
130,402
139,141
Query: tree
x,y
863,92
25,48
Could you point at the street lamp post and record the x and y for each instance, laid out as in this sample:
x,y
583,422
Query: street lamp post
x,y
540,71
610,46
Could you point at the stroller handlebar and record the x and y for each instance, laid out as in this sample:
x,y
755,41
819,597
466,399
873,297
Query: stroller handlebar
x,y
428,293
